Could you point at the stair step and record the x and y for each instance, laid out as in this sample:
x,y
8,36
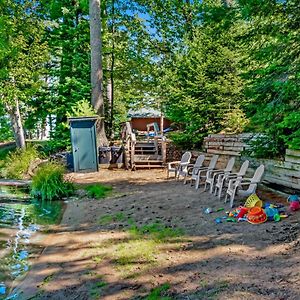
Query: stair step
x,y
144,157
144,146
148,161
148,166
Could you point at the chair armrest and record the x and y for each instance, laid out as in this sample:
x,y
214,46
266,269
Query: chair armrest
x,y
248,183
173,163
200,169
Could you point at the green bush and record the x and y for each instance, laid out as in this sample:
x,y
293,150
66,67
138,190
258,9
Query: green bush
x,y
98,190
18,162
49,184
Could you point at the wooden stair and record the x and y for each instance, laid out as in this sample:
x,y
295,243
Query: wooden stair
x,y
146,156
143,154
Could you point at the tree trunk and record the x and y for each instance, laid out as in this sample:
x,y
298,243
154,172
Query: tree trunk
x,y
111,79
96,68
16,123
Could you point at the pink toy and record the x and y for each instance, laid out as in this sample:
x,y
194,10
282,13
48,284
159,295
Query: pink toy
x,y
294,202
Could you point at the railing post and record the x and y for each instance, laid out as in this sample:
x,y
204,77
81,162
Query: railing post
x,y
164,149
132,150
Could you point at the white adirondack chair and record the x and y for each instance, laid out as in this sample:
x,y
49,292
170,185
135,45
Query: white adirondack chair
x,y
193,169
235,186
222,179
211,175
201,173
178,167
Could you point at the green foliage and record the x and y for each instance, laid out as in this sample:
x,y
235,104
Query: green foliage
x,y
96,289
98,191
23,55
202,83
264,146
271,41
82,108
290,130
6,133
234,121
18,162
158,293
49,184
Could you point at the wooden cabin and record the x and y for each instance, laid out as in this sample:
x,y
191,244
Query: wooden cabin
x,y
139,119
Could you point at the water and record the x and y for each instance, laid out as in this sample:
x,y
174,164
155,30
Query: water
x,y
20,219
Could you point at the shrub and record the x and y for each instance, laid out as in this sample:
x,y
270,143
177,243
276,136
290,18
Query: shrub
x,y
49,184
98,190
18,162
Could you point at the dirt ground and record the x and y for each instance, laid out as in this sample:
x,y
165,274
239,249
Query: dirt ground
x,y
91,254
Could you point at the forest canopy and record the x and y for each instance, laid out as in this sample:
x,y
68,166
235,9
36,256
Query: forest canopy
x,y
211,66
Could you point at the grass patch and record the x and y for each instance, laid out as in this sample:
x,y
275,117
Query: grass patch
x,y
97,259
48,183
17,163
211,291
159,292
156,231
98,191
134,255
105,220
138,251
108,219
96,289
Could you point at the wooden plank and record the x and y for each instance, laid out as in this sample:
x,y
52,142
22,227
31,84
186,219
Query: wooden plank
x,y
282,182
233,153
290,152
292,159
16,183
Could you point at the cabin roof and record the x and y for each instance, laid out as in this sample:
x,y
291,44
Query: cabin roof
x,y
144,113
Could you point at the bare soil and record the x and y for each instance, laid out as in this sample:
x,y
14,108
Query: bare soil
x,y
83,258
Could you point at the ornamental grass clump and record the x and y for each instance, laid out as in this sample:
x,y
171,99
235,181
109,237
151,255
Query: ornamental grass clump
x,y
18,162
48,183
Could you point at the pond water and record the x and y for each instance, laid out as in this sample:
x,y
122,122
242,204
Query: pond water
x,y
21,218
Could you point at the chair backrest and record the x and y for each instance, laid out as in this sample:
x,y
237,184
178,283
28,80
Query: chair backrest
x,y
258,174
243,169
255,179
186,157
199,161
213,162
230,164
198,164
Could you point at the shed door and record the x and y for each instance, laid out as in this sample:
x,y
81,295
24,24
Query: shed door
x,y
85,156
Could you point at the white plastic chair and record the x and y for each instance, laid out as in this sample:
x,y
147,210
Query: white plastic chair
x,y
235,185
178,167
193,169
203,170
211,175
222,179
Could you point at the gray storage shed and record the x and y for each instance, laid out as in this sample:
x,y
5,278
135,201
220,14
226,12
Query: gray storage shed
x,y
84,144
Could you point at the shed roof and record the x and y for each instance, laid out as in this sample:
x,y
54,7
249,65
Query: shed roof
x,y
144,113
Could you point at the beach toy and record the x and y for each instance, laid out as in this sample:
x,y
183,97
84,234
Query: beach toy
x,y
233,220
220,209
276,218
294,205
253,201
208,210
271,212
242,212
283,216
292,198
256,215
218,220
